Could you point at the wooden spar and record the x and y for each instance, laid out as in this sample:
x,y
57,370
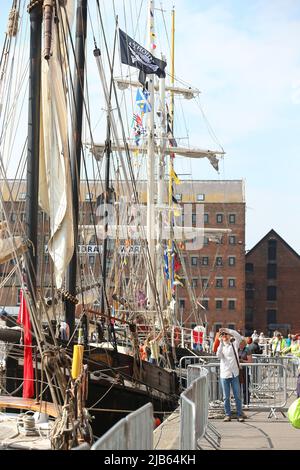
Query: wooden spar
x,y
81,24
95,312
98,149
33,145
187,92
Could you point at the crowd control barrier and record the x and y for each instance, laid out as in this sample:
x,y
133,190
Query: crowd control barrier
x,y
134,432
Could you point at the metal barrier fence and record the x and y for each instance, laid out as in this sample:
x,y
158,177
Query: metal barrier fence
x,y
186,361
134,432
265,387
194,423
194,412
291,364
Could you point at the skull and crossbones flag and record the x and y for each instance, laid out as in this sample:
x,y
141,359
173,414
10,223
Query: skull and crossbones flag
x,y
137,56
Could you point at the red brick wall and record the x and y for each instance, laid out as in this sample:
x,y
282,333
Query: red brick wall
x,y
287,304
223,316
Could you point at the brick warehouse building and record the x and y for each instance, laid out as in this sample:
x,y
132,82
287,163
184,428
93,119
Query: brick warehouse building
x,y
272,286
216,271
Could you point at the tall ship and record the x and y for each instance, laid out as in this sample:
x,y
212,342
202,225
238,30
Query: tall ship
x,y
92,233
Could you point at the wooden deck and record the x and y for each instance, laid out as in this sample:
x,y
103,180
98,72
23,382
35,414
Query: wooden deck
x,y
28,404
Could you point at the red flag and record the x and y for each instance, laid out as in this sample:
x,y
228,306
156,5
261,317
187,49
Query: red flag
x,y
28,376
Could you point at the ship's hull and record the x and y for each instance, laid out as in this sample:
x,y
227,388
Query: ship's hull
x,y
117,385
115,402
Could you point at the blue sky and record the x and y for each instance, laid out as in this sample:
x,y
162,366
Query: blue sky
x,y
244,56
246,61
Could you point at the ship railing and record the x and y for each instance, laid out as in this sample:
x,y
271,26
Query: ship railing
x,y
184,337
134,432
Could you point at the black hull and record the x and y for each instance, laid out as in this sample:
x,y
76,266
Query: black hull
x,y
112,397
119,401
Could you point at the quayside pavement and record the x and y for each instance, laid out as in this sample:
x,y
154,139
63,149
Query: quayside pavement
x,y
258,432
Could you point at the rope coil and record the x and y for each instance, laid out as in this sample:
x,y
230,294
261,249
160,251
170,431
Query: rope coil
x,y
26,424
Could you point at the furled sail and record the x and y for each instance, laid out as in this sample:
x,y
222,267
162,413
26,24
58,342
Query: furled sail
x,y
55,177
98,151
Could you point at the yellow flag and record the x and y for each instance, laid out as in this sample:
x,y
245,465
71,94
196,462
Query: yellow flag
x,y
174,176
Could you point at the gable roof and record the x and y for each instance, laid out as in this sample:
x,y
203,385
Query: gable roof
x,y
277,236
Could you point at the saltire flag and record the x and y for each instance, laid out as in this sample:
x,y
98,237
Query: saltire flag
x,y
174,176
135,55
28,375
142,102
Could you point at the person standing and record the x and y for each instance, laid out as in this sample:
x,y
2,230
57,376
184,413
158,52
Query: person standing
x,y
294,348
254,335
245,356
288,341
278,345
154,347
229,370
261,339
254,347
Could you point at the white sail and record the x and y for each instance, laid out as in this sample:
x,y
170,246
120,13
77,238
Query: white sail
x,y
55,177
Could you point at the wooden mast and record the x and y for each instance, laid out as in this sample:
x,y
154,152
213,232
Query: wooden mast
x,y
81,23
107,198
33,146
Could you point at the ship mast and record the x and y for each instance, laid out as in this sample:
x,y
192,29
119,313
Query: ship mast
x,y
107,193
33,143
81,23
171,162
161,185
151,167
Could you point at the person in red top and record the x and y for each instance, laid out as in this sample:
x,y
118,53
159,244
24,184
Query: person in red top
x,y
216,342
